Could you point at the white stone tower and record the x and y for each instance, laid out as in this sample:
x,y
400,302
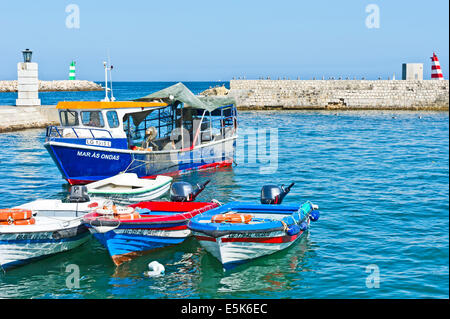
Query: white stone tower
x,y
27,81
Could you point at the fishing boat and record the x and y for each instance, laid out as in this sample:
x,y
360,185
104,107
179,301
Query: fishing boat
x,y
43,227
129,232
169,132
239,232
23,241
127,188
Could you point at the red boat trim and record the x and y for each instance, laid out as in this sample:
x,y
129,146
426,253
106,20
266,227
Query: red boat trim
x,y
202,167
186,210
78,181
205,238
271,240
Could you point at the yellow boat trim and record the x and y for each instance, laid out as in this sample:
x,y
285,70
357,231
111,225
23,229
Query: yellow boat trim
x,y
92,105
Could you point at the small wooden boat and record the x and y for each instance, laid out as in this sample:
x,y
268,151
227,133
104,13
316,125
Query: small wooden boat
x,y
58,208
44,227
25,236
127,188
128,232
238,232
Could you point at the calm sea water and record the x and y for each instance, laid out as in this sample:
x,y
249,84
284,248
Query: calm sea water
x,y
380,179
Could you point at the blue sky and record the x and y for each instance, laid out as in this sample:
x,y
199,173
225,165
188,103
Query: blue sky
x,y
216,40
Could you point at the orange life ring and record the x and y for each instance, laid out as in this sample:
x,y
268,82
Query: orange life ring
x,y
134,215
232,218
15,214
30,221
121,213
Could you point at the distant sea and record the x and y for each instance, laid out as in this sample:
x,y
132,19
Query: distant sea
x,y
380,178
123,91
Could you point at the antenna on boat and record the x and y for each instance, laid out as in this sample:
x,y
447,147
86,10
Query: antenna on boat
x,y
110,77
106,99
105,65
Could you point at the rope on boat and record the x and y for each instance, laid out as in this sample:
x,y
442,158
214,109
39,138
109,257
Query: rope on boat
x,y
128,166
285,226
216,202
144,162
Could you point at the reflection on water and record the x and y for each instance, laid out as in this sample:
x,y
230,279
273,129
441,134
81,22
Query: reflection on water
x,y
380,179
268,275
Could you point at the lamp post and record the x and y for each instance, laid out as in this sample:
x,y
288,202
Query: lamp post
x,y
27,81
27,53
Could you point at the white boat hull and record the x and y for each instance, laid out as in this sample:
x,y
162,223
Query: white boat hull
x,y
132,198
232,251
56,208
20,245
127,188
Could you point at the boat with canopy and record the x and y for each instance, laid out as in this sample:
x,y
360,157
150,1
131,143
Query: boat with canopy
x,y
168,132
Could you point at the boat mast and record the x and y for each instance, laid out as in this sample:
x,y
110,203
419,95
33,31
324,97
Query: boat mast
x,y
106,99
110,78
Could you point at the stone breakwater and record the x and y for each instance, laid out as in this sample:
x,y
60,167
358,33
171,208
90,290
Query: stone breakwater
x,y
341,94
62,85
15,118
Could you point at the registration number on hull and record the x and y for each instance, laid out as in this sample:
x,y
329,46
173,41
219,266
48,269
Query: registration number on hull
x,y
98,143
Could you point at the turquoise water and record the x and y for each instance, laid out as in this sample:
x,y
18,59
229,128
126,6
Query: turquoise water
x,y
380,179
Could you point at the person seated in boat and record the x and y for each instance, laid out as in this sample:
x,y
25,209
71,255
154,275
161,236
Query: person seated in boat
x,y
95,120
150,135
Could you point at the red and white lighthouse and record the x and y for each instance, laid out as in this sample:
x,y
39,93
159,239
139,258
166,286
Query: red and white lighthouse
x,y
436,72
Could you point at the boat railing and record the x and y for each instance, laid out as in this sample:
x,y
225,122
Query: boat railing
x,y
207,133
71,132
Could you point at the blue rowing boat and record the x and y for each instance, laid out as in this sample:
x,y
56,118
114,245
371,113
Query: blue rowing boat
x,y
238,232
131,231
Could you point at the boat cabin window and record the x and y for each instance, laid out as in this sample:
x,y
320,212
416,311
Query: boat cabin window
x,y
69,118
92,118
177,127
223,122
113,119
149,128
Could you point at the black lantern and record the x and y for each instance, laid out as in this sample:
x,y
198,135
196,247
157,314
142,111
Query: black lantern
x,y
27,55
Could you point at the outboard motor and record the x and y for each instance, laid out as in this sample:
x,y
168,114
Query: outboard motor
x,y
185,192
79,194
273,194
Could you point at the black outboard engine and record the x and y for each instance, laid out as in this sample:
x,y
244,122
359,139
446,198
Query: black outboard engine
x,y
185,192
273,194
79,194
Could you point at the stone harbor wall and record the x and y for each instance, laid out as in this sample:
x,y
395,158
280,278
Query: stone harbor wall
x,y
14,118
62,85
341,94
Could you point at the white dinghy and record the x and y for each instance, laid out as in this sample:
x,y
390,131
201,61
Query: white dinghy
x,y
127,188
23,241
43,227
58,208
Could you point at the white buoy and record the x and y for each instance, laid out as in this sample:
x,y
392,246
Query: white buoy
x,y
155,269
